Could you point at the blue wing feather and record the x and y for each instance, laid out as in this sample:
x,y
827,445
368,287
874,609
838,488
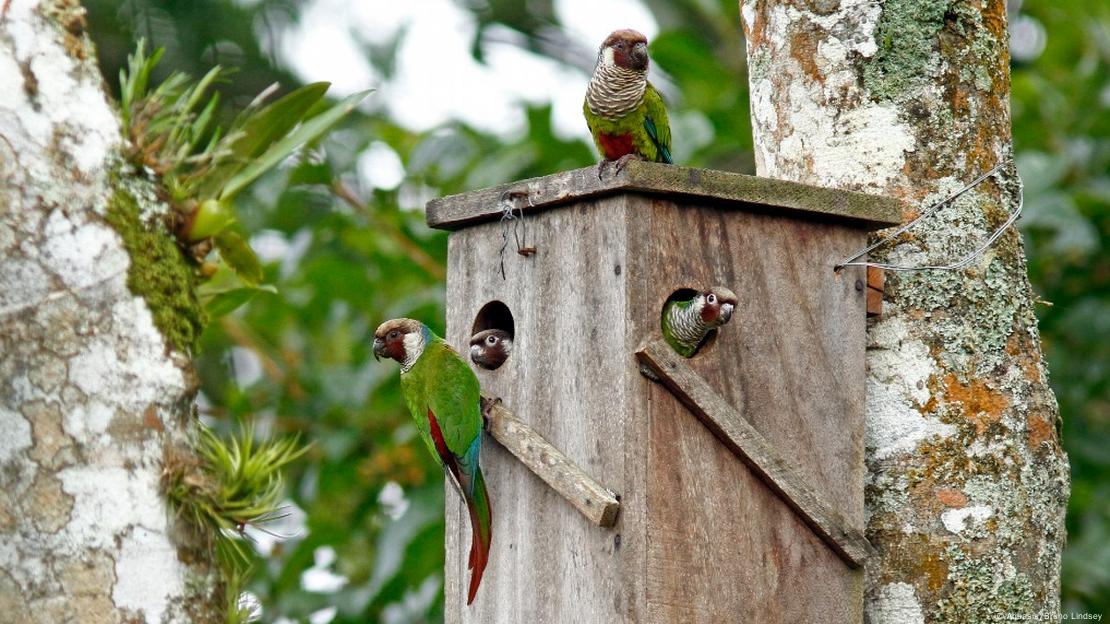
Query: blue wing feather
x,y
653,134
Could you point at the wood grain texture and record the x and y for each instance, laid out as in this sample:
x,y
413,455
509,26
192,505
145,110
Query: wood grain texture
x,y
876,281
699,538
753,449
588,496
734,190
876,278
546,563
874,302
722,546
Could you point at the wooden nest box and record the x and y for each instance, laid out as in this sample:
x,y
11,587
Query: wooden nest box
x,y
739,471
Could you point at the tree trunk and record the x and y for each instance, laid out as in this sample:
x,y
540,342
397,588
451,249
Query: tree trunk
x,y
92,395
967,480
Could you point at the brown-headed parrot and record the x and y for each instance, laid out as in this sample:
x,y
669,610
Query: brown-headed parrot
x,y
687,322
490,348
443,397
625,113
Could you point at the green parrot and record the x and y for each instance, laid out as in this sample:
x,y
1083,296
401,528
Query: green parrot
x,y
626,115
443,397
686,323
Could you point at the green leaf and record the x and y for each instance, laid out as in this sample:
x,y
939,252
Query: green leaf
x,y
239,256
276,120
307,131
134,79
203,120
212,217
256,130
227,301
198,90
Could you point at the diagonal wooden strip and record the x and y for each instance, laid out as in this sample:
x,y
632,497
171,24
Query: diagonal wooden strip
x,y
594,500
755,451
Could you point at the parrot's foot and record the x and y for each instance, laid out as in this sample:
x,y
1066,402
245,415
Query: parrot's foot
x,y
617,165
487,405
623,161
601,167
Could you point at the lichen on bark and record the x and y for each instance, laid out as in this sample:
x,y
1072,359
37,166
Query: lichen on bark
x,y
90,393
909,35
906,36
967,480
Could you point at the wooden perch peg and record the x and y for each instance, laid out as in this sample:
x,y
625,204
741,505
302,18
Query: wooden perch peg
x,y
875,284
754,450
595,501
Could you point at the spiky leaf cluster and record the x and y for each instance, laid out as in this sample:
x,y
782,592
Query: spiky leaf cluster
x,y
171,132
230,484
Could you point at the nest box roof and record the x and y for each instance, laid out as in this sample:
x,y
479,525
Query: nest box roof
x,y
722,188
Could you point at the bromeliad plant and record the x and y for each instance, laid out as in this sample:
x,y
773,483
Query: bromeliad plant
x,y
228,485
224,485
171,133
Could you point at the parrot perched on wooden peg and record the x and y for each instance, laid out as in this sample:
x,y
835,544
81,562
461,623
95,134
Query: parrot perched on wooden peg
x,y
443,397
625,113
686,323
490,348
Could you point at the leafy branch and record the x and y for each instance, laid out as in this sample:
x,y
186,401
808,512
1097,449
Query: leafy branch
x,y
171,133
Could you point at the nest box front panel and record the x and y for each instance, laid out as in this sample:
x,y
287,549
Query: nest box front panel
x,y
721,545
568,376
704,534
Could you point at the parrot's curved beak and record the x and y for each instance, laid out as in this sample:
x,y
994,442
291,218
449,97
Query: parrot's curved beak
x,y
640,55
726,312
379,349
475,350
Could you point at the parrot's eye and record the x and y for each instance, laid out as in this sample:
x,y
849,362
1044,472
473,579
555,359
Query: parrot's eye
x,y
711,298
393,335
491,340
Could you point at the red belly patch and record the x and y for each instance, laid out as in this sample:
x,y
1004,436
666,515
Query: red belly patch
x,y
613,146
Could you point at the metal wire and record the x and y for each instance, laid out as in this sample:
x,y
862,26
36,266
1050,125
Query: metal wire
x,y
511,212
955,266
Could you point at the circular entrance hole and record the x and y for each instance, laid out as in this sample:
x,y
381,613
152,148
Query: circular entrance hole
x,y
492,335
686,294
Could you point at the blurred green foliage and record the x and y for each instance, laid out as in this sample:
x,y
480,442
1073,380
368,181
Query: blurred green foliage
x,y
1061,111
344,256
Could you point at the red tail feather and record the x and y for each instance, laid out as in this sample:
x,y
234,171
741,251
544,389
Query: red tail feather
x,y
478,506
481,535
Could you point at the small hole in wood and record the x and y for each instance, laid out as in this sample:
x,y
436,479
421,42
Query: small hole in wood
x,y
492,335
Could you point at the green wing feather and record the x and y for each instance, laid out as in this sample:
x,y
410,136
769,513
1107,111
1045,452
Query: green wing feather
x,y
442,382
656,123
683,349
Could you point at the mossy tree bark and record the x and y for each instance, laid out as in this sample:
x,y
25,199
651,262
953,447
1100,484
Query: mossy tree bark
x,y
95,381
967,479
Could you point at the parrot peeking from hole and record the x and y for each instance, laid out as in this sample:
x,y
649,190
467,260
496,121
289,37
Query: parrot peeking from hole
x,y
490,348
625,113
443,396
686,323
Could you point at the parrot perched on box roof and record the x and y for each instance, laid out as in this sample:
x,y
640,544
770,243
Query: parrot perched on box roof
x,y
626,115
490,348
443,397
686,323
